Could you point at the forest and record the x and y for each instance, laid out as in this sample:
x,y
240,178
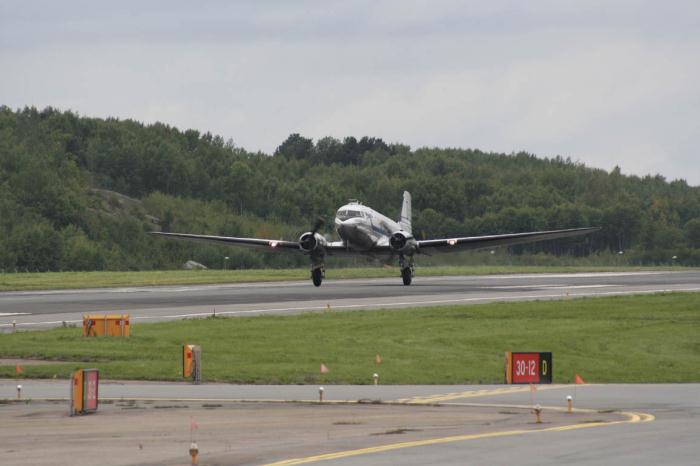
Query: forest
x,y
80,193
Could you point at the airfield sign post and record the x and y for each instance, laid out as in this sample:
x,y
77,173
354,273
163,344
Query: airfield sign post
x,y
528,367
192,362
84,391
197,370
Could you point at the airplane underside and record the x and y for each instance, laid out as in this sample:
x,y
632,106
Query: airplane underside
x,y
318,266
318,272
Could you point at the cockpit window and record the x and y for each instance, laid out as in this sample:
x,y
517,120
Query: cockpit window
x,y
346,214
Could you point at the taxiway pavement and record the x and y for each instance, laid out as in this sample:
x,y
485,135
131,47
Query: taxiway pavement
x,y
660,426
34,309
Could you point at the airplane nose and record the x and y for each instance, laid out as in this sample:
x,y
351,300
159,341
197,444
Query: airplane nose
x,y
346,227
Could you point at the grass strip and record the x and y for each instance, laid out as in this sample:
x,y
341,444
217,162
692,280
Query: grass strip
x,y
615,339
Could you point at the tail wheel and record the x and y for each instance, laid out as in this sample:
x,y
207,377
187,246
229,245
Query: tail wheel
x,y
317,276
407,275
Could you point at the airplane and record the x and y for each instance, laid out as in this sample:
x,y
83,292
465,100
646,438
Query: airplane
x,y
363,230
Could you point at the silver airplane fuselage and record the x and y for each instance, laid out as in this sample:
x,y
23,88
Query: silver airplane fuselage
x,y
362,228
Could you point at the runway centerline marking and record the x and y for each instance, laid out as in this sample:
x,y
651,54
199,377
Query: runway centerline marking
x,y
632,418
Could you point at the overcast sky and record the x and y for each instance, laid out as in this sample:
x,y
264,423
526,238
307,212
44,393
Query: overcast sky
x,y
603,82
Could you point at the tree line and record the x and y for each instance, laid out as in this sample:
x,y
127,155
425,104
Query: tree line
x,y
60,174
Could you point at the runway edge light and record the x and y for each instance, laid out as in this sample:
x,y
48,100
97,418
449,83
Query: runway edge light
x,y
537,411
194,452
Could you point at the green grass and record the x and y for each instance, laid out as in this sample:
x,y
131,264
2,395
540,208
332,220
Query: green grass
x,y
618,339
67,280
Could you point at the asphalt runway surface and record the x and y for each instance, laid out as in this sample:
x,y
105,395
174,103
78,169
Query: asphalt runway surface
x,y
148,423
51,308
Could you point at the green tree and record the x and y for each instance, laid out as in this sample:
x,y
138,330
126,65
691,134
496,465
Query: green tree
x,y
692,232
296,147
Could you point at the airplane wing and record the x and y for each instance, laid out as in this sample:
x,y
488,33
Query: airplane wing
x,y
485,242
258,243
444,245
334,248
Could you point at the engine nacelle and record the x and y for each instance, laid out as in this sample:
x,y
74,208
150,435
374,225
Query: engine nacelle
x,y
310,242
402,243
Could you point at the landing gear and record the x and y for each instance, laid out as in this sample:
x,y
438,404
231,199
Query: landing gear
x,y
407,275
317,276
318,269
406,269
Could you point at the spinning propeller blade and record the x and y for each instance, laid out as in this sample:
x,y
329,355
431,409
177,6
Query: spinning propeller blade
x,y
320,221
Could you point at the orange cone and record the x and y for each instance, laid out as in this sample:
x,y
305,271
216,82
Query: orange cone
x,y
324,369
578,380
18,369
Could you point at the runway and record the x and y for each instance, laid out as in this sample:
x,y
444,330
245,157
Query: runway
x,y
148,423
37,309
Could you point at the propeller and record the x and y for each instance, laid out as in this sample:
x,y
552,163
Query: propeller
x,y
320,221
308,240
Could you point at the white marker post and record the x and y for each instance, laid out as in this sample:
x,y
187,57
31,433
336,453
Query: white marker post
x,y
375,376
320,394
569,404
19,392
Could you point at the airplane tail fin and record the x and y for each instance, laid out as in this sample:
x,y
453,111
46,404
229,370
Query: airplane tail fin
x,y
405,220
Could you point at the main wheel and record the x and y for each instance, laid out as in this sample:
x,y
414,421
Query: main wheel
x,y
317,276
407,275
